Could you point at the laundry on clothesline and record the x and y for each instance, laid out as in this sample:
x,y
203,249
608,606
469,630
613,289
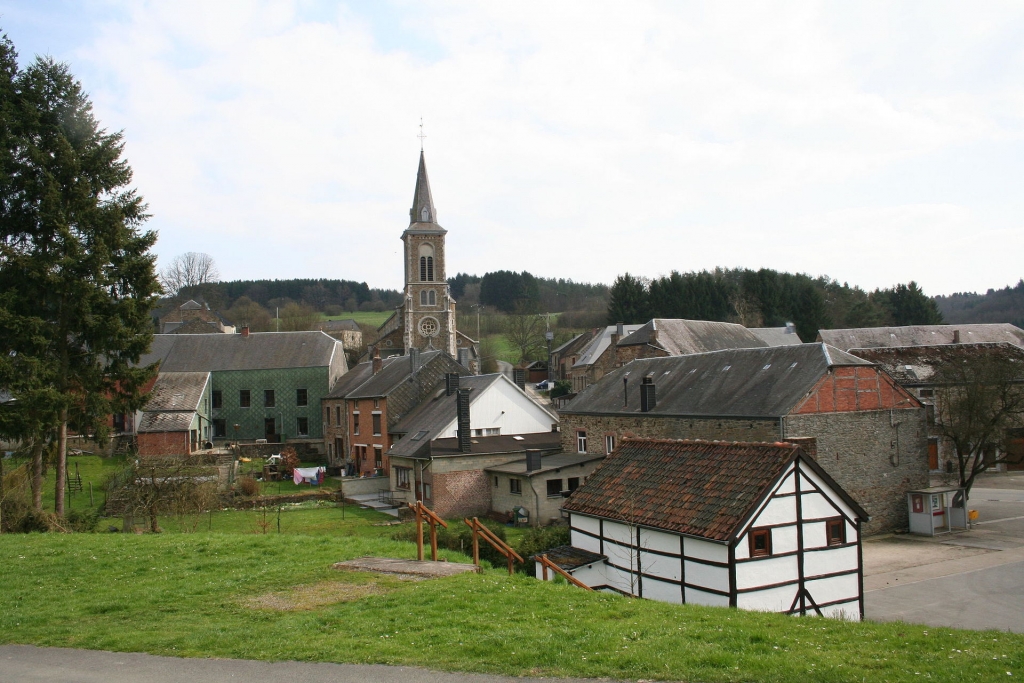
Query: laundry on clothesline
x,y
308,475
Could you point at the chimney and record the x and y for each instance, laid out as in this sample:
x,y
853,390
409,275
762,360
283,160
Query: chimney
x,y
625,392
451,383
245,330
532,459
617,334
647,398
378,364
620,329
462,409
956,336
808,444
790,328
463,357
519,377
414,360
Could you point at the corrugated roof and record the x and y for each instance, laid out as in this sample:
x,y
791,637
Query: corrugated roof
x,y
911,365
166,421
600,343
921,335
257,351
766,382
777,336
700,488
681,337
177,391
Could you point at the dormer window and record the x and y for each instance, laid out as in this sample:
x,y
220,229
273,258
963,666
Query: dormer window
x,y
425,215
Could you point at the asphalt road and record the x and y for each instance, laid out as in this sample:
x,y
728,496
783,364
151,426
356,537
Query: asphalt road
x,y
28,664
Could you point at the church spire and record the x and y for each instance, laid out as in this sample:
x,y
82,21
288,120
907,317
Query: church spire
x,y
422,210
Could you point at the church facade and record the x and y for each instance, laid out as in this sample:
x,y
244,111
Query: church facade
x,y
426,319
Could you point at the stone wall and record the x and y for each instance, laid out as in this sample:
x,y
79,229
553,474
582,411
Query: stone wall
x,y
163,443
874,458
460,494
651,427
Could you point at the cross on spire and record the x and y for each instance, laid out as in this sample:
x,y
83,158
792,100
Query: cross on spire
x,y
421,136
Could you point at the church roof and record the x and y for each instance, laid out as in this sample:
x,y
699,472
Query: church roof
x,y
423,215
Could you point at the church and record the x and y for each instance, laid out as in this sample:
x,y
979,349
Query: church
x,y
426,319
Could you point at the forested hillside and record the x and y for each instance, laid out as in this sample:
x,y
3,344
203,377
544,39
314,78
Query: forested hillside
x,y
1004,305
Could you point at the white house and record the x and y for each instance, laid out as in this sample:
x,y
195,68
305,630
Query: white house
x,y
758,526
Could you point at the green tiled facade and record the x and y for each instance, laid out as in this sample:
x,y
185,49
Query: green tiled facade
x,y
286,412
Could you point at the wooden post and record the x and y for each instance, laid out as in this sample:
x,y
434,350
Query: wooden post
x,y
433,540
476,547
544,568
419,531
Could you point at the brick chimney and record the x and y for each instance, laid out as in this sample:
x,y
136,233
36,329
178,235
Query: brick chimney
x,y
462,409
451,383
808,444
648,399
378,364
245,330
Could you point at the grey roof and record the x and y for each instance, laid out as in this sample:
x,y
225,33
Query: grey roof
x,y
548,463
191,305
177,391
568,558
338,325
434,414
166,421
575,340
681,337
353,378
600,343
777,336
921,335
395,370
766,382
422,199
487,445
257,351
917,365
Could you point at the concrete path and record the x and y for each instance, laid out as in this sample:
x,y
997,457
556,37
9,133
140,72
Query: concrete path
x,y
29,664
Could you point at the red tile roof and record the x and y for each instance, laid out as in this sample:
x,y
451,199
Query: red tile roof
x,y
699,488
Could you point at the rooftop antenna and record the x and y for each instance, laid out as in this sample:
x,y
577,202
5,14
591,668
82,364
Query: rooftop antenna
x,y
421,136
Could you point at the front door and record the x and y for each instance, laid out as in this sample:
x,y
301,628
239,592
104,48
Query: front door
x,y
933,454
268,429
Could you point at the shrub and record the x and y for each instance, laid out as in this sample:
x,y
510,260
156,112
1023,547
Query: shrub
x,y
289,460
458,537
561,388
82,521
537,540
248,486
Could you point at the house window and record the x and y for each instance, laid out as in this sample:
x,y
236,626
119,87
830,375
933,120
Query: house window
x,y
376,424
581,441
515,486
609,443
302,426
337,415
244,399
376,403
327,416
220,428
760,542
554,488
378,456
355,421
218,398
402,477
427,492
574,483
926,393
835,530
268,398
300,397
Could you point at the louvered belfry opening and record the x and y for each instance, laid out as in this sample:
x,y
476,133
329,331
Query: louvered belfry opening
x,y
648,399
462,407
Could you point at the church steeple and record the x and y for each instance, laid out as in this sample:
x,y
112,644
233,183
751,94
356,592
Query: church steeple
x,y
422,210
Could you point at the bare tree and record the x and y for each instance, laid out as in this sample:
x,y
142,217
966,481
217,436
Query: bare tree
x,y
979,408
188,270
525,333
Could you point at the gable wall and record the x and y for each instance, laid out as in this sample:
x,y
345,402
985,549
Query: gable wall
x,y
849,389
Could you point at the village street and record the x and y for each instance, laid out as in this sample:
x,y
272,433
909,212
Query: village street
x,y
965,580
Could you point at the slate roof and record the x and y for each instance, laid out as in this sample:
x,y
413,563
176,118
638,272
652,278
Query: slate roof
x,y
917,365
766,382
777,336
569,558
177,391
707,489
166,421
395,370
681,337
257,351
600,343
354,377
339,325
921,335
485,445
548,463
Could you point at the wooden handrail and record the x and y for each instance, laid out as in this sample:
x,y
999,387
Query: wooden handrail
x,y
548,564
479,530
423,512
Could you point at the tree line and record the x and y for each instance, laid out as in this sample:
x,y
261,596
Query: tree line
x,y
512,292
767,298
1004,305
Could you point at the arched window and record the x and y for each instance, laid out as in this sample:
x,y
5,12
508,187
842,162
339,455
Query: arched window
x,y
423,297
426,263
425,215
428,297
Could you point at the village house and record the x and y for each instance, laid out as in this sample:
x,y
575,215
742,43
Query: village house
x,y
599,356
916,368
865,430
176,419
758,526
565,356
346,331
533,488
662,337
921,335
451,437
361,411
192,317
778,336
264,386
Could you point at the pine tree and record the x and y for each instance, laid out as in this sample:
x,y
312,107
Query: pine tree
x,y
628,301
77,279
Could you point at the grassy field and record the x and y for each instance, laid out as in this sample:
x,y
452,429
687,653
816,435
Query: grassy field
x,y
367,317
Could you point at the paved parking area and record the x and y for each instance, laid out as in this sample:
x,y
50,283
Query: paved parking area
x,y
969,579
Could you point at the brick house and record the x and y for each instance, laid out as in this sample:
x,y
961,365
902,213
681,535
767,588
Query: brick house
x,y
758,526
362,410
566,355
915,368
263,385
663,337
176,420
598,357
447,475
865,430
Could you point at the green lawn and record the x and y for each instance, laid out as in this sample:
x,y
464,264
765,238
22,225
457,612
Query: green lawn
x,y
365,317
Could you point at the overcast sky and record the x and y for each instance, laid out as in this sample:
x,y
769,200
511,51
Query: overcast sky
x,y
872,142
